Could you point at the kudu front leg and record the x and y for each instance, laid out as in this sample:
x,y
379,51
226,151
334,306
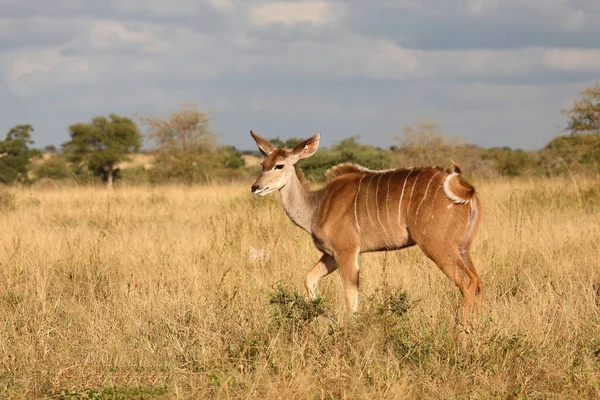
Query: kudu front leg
x,y
322,268
348,262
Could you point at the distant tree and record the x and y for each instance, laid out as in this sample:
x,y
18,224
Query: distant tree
x,y
346,150
50,148
287,144
15,154
186,145
233,158
576,152
102,144
507,161
424,143
584,117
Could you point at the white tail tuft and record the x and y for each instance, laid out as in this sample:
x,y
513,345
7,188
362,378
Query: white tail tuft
x,y
454,197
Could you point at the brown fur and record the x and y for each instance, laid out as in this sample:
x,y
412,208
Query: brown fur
x,y
342,169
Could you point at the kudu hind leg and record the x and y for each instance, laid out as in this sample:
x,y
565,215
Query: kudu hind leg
x,y
467,282
479,291
322,268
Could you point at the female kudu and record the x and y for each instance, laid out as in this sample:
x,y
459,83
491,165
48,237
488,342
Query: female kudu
x,y
360,210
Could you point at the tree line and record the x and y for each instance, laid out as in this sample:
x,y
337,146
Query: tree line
x,y
186,150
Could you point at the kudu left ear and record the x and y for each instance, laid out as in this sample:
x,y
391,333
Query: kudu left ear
x,y
263,144
308,147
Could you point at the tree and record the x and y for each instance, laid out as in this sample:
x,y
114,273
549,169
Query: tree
x,y
50,149
346,150
509,162
424,143
186,145
15,154
102,144
574,152
584,117
287,144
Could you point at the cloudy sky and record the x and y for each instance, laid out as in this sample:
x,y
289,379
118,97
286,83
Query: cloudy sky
x,y
496,72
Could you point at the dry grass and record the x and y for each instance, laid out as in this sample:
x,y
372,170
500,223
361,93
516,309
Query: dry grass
x,y
143,293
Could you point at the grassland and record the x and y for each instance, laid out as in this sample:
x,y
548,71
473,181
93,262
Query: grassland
x,y
151,293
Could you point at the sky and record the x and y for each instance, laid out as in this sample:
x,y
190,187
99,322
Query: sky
x,y
494,72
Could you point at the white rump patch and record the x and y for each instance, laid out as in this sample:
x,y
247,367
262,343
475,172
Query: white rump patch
x,y
454,198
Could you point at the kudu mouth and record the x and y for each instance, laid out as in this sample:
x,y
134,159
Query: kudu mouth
x,y
261,192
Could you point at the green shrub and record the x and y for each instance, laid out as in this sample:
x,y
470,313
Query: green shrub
x,y
293,310
54,167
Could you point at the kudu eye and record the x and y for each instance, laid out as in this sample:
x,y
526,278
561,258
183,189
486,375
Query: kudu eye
x,y
279,166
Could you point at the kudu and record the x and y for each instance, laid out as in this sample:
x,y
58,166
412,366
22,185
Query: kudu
x,y
359,210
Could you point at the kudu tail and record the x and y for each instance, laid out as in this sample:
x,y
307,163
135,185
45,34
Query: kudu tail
x,y
461,192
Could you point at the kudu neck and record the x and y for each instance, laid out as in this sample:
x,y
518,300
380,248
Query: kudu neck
x,y
299,202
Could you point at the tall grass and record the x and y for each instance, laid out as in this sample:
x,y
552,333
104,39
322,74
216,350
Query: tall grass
x,y
143,293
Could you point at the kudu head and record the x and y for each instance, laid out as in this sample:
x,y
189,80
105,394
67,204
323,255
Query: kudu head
x,y
278,165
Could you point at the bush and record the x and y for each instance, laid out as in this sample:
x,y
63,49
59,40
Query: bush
x,y
347,150
134,176
293,310
510,162
54,167
579,152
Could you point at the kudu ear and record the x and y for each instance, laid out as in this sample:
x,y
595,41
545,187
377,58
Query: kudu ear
x,y
308,147
263,144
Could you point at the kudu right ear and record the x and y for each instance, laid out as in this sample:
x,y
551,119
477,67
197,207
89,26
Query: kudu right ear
x,y
263,144
307,147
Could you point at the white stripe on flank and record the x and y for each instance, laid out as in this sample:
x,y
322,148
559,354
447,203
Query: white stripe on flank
x,y
356,202
401,196
377,201
385,234
411,194
367,200
387,201
424,197
435,194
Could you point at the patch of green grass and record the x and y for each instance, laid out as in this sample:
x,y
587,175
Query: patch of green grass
x,y
294,310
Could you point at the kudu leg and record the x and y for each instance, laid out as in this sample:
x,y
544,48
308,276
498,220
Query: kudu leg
x,y
479,291
467,282
322,268
348,262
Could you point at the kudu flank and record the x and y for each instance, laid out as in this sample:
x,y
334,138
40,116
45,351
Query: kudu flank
x,y
359,210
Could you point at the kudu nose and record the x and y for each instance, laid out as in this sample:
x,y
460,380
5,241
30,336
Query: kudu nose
x,y
254,188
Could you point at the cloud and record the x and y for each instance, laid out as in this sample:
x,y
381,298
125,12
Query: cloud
x,y
27,70
316,13
167,9
293,67
112,35
572,59
351,57
222,5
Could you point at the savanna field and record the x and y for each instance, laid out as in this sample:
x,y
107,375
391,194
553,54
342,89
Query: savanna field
x,y
197,292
